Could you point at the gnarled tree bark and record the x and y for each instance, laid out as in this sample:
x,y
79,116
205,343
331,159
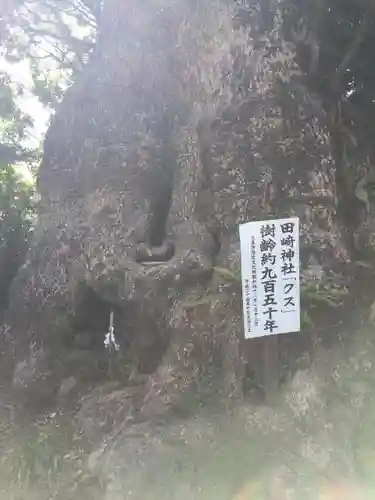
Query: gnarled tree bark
x,y
187,121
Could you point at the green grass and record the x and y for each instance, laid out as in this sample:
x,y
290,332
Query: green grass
x,y
333,441
213,454
43,461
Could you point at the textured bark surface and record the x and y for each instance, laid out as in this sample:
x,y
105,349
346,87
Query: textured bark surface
x,y
187,121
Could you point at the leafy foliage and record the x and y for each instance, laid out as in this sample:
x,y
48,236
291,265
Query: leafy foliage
x,y
15,221
317,298
315,295
15,192
13,123
53,40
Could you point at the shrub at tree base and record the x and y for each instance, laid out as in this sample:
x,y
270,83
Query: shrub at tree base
x,y
15,223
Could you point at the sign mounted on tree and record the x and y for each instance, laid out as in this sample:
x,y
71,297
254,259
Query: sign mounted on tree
x,y
270,277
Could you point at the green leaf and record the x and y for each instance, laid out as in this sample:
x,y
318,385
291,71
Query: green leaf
x,y
306,320
193,303
226,274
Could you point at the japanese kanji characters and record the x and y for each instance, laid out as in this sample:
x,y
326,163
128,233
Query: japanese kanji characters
x,y
270,266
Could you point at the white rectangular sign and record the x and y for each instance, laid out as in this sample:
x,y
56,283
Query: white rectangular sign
x,y
270,277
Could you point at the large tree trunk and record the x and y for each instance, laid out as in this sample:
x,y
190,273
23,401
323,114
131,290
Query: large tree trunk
x,y
187,121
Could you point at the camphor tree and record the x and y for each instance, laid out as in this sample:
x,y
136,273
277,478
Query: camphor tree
x,y
181,121
173,122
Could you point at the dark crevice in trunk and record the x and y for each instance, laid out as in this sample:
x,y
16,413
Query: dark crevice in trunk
x,y
90,321
162,193
161,208
156,247
155,254
348,208
216,237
